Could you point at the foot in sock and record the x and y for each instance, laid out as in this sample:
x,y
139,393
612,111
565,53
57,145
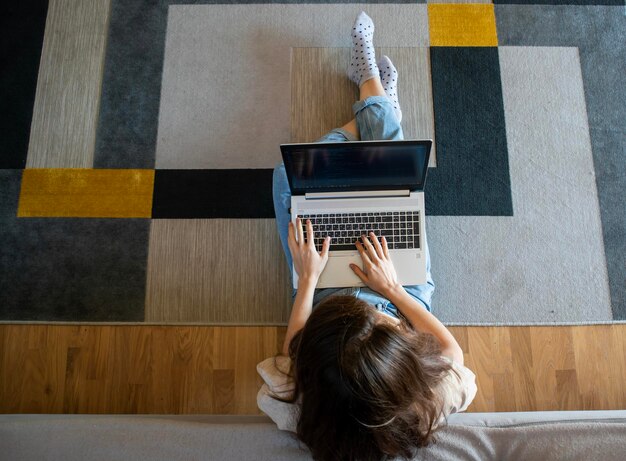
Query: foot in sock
x,y
389,80
363,59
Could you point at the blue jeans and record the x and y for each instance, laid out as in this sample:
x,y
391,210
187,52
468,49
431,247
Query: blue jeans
x,y
376,120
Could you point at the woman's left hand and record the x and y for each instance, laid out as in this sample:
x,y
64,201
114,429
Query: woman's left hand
x,y
307,261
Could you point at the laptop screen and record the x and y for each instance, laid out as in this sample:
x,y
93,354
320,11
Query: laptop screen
x,y
356,166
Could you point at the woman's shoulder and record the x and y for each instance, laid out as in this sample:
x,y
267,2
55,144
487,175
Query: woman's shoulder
x,y
276,373
458,388
277,385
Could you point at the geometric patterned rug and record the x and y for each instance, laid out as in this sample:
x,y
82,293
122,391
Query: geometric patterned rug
x,y
135,180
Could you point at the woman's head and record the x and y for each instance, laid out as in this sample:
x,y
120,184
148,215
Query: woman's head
x,y
365,385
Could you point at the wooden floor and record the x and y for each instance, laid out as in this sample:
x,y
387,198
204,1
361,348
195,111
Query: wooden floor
x,y
174,370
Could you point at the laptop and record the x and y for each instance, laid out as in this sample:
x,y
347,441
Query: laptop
x,y
347,189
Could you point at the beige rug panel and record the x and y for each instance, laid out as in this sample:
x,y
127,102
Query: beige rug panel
x,y
322,95
65,114
224,271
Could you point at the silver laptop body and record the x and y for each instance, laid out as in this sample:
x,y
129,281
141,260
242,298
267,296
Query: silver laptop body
x,y
364,185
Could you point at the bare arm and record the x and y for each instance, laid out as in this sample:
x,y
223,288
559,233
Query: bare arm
x,y
301,310
309,264
424,321
379,274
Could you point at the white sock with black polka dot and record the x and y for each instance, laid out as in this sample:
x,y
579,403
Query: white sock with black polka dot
x,y
389,80
363,58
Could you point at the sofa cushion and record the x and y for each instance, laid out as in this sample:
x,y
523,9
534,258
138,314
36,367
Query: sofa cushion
x,y
550,435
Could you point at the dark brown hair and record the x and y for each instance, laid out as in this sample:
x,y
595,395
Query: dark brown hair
x,y
366,387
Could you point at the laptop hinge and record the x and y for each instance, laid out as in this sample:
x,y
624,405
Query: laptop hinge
x,y
357,194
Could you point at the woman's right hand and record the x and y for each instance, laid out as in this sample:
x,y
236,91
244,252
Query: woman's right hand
x,y
378,272
307,261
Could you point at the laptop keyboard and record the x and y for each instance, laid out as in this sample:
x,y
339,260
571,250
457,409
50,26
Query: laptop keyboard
x,y
400,228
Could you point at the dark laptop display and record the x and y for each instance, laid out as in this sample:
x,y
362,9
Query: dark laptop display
x,y
356,166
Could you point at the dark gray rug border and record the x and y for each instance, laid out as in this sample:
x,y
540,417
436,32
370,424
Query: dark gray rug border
x,y
73,269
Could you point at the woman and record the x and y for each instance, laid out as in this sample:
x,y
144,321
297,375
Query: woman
x,y
369,372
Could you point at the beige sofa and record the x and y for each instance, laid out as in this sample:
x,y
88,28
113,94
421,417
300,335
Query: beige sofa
x,y
469,436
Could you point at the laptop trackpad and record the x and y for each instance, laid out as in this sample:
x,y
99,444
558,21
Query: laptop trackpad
x,y
338,273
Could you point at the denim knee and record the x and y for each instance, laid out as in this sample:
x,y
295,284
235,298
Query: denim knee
x,y
337,135
377,119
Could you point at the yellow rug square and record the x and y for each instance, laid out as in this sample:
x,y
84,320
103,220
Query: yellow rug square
x,y
86,193
462,25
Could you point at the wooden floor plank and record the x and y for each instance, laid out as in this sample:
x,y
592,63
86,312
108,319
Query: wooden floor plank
x,y
523,382
619,357
567,390
502,389
552,351
595,366
482,362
